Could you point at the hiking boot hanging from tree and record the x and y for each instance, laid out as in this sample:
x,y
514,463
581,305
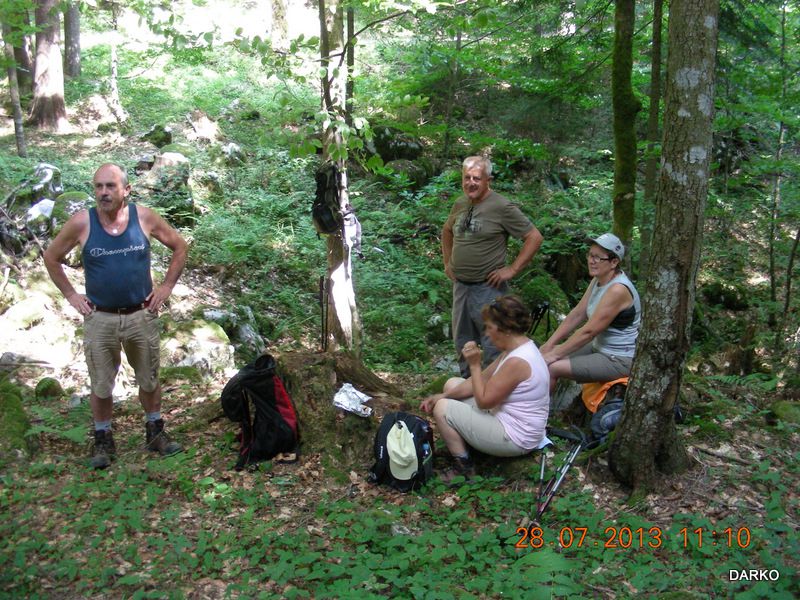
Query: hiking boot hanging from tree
x,y
158,440
104,449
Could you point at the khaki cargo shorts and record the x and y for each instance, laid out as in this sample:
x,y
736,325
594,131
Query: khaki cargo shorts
x,y
480,429
105,334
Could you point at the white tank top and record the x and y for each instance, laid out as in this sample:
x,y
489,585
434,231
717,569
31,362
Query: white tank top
x,y
619,338
524,413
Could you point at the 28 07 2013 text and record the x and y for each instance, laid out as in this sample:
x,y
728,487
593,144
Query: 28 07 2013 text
x,y
624,537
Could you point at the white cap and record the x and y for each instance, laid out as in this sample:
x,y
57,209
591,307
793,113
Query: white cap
x,y
611,243
402,452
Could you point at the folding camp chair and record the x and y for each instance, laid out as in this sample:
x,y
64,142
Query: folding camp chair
x,y
548,491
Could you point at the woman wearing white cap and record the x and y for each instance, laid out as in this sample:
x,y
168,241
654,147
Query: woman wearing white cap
x,y
501,410
597,339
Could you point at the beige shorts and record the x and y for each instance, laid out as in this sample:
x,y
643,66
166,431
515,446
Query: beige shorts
x,y
480,429
588,366
105,334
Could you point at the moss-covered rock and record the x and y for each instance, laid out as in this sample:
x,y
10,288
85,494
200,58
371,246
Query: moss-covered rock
x,y
787,412
68,203
25,314
48,388
196,343
185,149
207,330
181,374
12,294
14,423
159,135
725,294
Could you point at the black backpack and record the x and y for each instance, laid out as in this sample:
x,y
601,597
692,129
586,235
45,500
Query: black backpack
x,y
257,390
609,413
325,211
422,434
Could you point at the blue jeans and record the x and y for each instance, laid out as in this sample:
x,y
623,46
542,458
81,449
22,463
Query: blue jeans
x,y
468,300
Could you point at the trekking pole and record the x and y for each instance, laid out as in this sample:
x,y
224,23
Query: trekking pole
x,y
325,311
323,320
541,477
558,477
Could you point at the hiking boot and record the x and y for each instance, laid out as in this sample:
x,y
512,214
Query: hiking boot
x,y
158,440
104,449
462,467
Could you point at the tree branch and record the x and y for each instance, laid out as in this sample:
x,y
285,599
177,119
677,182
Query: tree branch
x,y
735,459
354,37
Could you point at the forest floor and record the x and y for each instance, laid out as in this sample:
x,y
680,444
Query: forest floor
x,y
190,526
178,527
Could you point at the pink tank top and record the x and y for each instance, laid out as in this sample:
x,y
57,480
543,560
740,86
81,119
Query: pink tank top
x,y
524,413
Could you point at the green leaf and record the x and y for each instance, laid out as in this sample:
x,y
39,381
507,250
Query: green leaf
x,y
374,162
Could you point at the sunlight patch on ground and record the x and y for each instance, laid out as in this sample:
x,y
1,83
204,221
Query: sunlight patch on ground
x,y
757,279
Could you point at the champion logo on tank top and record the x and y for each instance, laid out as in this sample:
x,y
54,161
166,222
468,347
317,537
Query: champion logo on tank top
x,y
117,268
98,252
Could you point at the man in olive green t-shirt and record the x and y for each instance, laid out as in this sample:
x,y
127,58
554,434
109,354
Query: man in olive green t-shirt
x,y
474,245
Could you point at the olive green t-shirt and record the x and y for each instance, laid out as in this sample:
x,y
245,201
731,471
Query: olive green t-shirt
x,y
480,239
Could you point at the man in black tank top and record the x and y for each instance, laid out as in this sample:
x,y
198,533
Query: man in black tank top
x,y
121,304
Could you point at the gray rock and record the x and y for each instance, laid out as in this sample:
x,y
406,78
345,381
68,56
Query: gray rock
x,y
247,336
448,365
25,314
165,185
438,329
144,163
393,144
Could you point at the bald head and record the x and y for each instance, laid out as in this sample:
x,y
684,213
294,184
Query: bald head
x,y
111,188
113,168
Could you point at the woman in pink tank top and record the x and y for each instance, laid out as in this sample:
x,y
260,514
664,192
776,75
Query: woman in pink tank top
x,y
501,410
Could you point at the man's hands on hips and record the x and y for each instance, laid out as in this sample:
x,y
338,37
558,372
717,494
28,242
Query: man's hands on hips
x,y
499,276
448,270
80,303
158,296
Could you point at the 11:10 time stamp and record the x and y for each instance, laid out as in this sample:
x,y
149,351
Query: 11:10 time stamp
x,y
627,537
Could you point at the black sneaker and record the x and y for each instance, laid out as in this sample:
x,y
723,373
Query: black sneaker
x,y
104,449
158,440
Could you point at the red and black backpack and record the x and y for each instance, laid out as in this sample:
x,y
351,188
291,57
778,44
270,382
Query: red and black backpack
x,y
256,399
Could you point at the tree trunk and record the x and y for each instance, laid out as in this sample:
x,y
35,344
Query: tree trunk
x,y
23,52
625,108
651,165
351,65
787,294
72,40
114,102
452,84
48,110
774,227
777,181
646,439
343,323
13,88
280,26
